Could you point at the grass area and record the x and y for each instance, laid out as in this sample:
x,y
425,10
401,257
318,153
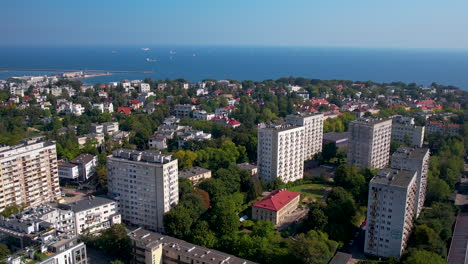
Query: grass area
x,y
312,192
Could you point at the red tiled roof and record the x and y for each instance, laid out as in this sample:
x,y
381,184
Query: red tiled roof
x,y
27,98
233,122
339,86
134,101
453,125
276,200
159,101
102,86
124,110
218,91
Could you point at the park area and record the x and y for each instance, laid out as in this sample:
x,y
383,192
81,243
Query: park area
x,y
311,192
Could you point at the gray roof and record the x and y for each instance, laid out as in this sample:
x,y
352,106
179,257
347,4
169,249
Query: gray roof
x,y
86,204
183,248
336,136
370,121
247,166
394,177
83,158
410,153
187,173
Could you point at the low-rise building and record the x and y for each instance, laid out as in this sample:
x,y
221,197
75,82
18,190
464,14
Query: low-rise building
x,y
150,247
93,214
195,174
276,206
157,141
340,139
68,171
110,127
203,115
145,88
252,169
183,110
86,165
191,134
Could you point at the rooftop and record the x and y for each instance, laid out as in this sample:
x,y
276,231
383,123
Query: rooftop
x,y
183,248
83,158
246,166
370,121
86,204
336,136
276,200
410,153
394,177
187,173
142,156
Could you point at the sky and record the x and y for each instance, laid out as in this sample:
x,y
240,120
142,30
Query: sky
x,y
432,24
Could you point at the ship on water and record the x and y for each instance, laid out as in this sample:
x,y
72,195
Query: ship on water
x,y
145,49
150,60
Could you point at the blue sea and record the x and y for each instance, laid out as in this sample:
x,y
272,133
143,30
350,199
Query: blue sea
x,y
245,63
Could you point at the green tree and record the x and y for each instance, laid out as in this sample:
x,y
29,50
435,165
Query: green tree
x,y
312,248
4,251
178,222
424,257
437,190
203,236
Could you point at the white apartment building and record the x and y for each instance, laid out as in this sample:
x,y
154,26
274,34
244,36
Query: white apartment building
x,y
68,171
110,127
405,130
93,214
415,159
313,132
29,173
280,152
369,143
390,212
145,184
86,165
145,88
203,115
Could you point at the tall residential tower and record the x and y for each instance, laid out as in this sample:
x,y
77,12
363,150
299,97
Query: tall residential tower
x,y
416,159
280,152
369,144
29,174
145,184
313,132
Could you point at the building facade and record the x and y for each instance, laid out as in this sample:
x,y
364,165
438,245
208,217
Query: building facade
x,y
145,184
93,214
276,206
369,143
313,132
183,110
415,159
280,153
390,212
29,174
404,130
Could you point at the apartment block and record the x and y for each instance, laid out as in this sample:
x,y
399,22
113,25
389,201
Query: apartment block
x,y
183,110
145,184
313,132
195,174
390,212
29,173
415,159
405,130
280,152
369,143
93,214
150,247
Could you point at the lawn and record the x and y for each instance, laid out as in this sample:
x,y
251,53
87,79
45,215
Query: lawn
x,y
310,192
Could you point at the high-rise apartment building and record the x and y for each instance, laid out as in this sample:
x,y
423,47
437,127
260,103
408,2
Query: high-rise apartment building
x,y
415,159
145,184
29,174
280,152
313,132
390,212
369,143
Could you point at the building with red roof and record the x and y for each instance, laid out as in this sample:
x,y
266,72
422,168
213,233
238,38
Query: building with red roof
x,y
124,110
229,122
276,206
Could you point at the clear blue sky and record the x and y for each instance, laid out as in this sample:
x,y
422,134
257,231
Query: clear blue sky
x,y
349,23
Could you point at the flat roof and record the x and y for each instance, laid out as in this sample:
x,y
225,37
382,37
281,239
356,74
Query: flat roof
x,y
187,173
394,177
183,248
370,121
247,166
86,204
336,136
83,158
410,153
